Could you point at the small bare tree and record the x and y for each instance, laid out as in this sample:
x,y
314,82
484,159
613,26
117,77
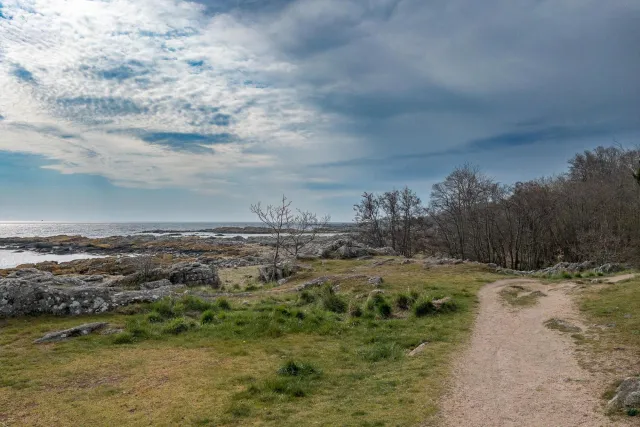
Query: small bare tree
x,y
278,219
304,229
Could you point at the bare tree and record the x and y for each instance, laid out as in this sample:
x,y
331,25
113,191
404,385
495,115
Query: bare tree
x,y
278,219
390,204
368,219
303,229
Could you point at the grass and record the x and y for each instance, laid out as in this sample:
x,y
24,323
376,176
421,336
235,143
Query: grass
x,y
519,296
615,308
285,358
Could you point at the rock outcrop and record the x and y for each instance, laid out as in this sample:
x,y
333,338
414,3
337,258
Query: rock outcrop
x,y
627,395
31,291
76,331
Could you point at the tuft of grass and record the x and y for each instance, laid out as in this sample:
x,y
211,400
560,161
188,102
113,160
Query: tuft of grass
x,y
192,303
306,297
223,304
424,307
384,310
404,301
333,302
177,326
514,296
562,326
297,369
123,338
566,275
207,317
381,351
154,317
355,310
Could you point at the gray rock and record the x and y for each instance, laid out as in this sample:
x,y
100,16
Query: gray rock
x,y
314,283
194,274
375,280
156,284
627,395
31,293
283,270
76,331
419,349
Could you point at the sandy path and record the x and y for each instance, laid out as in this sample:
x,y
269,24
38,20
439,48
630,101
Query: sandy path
x,y
517,372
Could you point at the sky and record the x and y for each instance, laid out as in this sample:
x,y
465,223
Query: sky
x,y
165,110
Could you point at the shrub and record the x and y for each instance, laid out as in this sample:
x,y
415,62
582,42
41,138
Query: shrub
x,y
424,307
403,301
384,309
154,317
566,275
123,338
224,304
633,412
208,316
177,326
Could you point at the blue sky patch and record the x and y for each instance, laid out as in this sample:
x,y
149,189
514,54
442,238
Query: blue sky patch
x,y
23,74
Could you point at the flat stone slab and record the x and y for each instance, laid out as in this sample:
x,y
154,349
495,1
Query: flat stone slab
x,y
76,331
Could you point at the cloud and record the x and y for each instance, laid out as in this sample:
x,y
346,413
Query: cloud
x,y
310,96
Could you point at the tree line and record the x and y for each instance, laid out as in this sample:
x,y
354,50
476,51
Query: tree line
x,y
590,212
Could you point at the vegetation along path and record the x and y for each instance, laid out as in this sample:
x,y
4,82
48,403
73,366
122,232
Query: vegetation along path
x,y
519,372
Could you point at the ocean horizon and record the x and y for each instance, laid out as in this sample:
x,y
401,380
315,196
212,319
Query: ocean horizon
x,y
106,229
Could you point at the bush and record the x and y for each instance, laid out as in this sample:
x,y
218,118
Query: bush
x,y
403,302
633,412
208,316
177,326
566,275
154,317
384,309
224,304
123,338
424,307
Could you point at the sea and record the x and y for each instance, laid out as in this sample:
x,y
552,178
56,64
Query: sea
x,y
10,258
107,229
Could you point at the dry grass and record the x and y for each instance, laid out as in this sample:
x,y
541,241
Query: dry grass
x,y
224,373
520,296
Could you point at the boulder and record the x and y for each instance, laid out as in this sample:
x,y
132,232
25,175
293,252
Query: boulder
x,y
283,270
610,268
384,251
375,281
76,331
194,274
627,395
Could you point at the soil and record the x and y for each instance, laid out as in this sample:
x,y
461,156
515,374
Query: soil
x,y
518,372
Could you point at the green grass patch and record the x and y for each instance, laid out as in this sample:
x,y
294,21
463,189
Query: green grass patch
x,y
273,359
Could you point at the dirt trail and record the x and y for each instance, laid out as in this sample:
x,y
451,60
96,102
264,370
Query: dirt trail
x,y
517,372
